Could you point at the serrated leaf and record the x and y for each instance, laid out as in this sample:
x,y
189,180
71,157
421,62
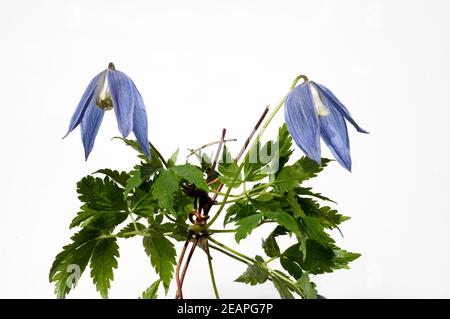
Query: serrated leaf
x,y
315,231
118,177
162,256
154,157
152,291
284,144
103,263
246,225
164,187
308,191
291,266
282,288
173,158
285,220
130,228
270,246
307,288
319,259
256,162
133,181
71,262
192,174
292,176
255,274
342,258
229,170
239,210
101,194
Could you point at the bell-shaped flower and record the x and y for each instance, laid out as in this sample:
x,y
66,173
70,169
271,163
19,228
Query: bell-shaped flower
x,y
313,111
111,90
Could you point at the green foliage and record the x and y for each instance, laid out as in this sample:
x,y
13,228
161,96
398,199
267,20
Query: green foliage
x,y
246,226
155,198
162,256
152,291
103,262
256,273
229,170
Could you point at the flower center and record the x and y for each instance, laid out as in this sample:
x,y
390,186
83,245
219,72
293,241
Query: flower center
x,y
321,108
103,96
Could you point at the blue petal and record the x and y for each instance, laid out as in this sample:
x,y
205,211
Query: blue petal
x,y
302,122
84,102
122,93
140,125
333,130
90,125
340,107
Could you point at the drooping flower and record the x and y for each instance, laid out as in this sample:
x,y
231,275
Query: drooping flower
x,y
313,111
111,89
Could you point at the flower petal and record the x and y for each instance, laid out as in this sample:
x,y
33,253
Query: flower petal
x,y
340,107
140,124
90,125
84,102
301,119
333,130
122,93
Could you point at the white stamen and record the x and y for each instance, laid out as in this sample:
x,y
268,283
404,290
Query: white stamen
x,y
104,99
322,109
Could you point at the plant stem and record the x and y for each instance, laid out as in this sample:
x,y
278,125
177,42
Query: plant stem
x,y
228,254
271,259
159,155
221,230
211,271
231,250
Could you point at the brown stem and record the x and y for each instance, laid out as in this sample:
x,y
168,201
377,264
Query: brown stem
x,y
244,147
179,294
180,281
216,159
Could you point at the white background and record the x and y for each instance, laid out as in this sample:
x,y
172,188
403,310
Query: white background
x,y
204,65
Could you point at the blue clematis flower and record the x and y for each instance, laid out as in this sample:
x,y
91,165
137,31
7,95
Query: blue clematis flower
x,y
313,111
111,89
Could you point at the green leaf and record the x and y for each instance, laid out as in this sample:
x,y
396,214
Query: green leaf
x,y
152,291
342,258
131,227
286,220
329,218
246,225
103,262
133,182
120,178
154,158
165,186
308,191
162,256
319,258
270,246
256,162
71,262
255,274
292,176
192,174
101,194
173,158
291,266
282,288
229,169
315,231
240,209
284,144
306,287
